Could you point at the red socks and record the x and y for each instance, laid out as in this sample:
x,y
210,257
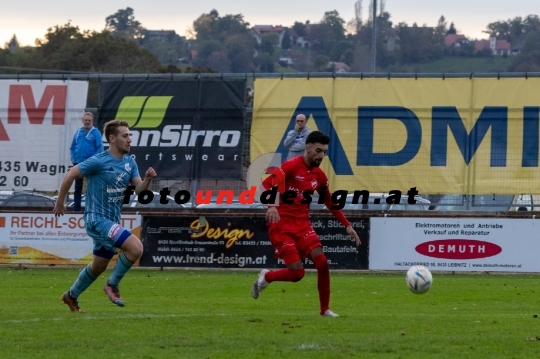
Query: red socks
x,y
323,281
285,275
294,275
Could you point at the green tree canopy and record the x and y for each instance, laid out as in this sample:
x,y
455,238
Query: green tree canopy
x,y
67,48
335,24
213,27
123,24
269,42
299,28
529,58
286,42
233,36
452,30
13,43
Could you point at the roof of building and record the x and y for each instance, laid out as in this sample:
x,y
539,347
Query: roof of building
x,y
451,39
266,29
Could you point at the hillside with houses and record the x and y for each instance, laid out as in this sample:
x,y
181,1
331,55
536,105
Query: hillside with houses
x,y
230,44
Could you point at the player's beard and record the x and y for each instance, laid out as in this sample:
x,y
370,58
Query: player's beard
x,y
316,163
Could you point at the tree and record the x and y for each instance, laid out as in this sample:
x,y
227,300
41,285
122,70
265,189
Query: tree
x,y
300,29
66,48
202,26
334,23
441,30
232,33
62,47
286,42
12,44
531,24
123,24
348,56
499,29
240,51
209,52
269,42
529,58
218,61
337,51
415,44
513,30
439,34
213,27
451,30
165,51
320,63
265,63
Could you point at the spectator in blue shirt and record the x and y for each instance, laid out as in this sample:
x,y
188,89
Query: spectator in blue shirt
x,y
86,143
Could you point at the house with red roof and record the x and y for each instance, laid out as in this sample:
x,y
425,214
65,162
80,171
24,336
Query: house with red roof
x,y
455,40
259,30
497,47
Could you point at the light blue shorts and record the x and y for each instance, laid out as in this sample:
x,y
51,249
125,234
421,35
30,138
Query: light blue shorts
x,y
107,236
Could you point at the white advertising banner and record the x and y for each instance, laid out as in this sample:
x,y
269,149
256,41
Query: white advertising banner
x,y
455,244
42,238
37,122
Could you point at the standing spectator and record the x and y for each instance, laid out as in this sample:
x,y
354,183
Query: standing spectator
x,y
86,143
296,139
289,225
108,175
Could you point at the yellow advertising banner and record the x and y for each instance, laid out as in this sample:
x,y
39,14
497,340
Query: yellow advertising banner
x,y
453,135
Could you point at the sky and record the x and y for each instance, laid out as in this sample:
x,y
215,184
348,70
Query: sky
x,y
30,19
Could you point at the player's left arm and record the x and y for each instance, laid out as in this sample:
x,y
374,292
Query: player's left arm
x,y
338,213
142,185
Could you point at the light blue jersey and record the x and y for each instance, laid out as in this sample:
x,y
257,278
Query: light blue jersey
x,y
108,178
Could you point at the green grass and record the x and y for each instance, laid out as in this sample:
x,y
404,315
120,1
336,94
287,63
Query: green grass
x,y
455,64
210,314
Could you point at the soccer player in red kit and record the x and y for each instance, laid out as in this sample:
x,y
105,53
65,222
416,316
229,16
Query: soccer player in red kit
x,y
289,226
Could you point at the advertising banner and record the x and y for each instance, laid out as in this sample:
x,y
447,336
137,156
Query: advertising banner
x,y
239,242
452,244
453,135
42,238
183,129
37,122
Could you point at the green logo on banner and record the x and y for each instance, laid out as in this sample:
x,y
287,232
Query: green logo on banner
x,y
143,111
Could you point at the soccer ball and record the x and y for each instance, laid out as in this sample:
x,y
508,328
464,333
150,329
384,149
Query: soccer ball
x,y
418,279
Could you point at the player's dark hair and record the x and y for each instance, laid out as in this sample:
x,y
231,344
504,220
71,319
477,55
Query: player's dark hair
x,y
318,137
111,127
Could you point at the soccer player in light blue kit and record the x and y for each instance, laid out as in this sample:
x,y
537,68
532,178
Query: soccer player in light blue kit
x,y
108,174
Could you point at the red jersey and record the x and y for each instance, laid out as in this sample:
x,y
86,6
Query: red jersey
x,y
299,177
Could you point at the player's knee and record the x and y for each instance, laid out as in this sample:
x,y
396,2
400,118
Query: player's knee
x,y
298,274
138,248
133,247
321,263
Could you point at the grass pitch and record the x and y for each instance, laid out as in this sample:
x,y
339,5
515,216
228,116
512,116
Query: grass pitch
x,y
210,314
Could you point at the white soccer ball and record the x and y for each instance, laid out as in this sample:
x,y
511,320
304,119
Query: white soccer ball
x,y
418,279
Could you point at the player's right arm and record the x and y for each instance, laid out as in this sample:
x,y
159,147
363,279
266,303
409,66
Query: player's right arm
x,y
71,175
276,179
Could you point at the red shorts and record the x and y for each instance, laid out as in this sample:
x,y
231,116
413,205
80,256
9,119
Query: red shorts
x,y
293,235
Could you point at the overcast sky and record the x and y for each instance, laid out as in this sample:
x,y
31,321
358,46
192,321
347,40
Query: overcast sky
x,y
29,19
